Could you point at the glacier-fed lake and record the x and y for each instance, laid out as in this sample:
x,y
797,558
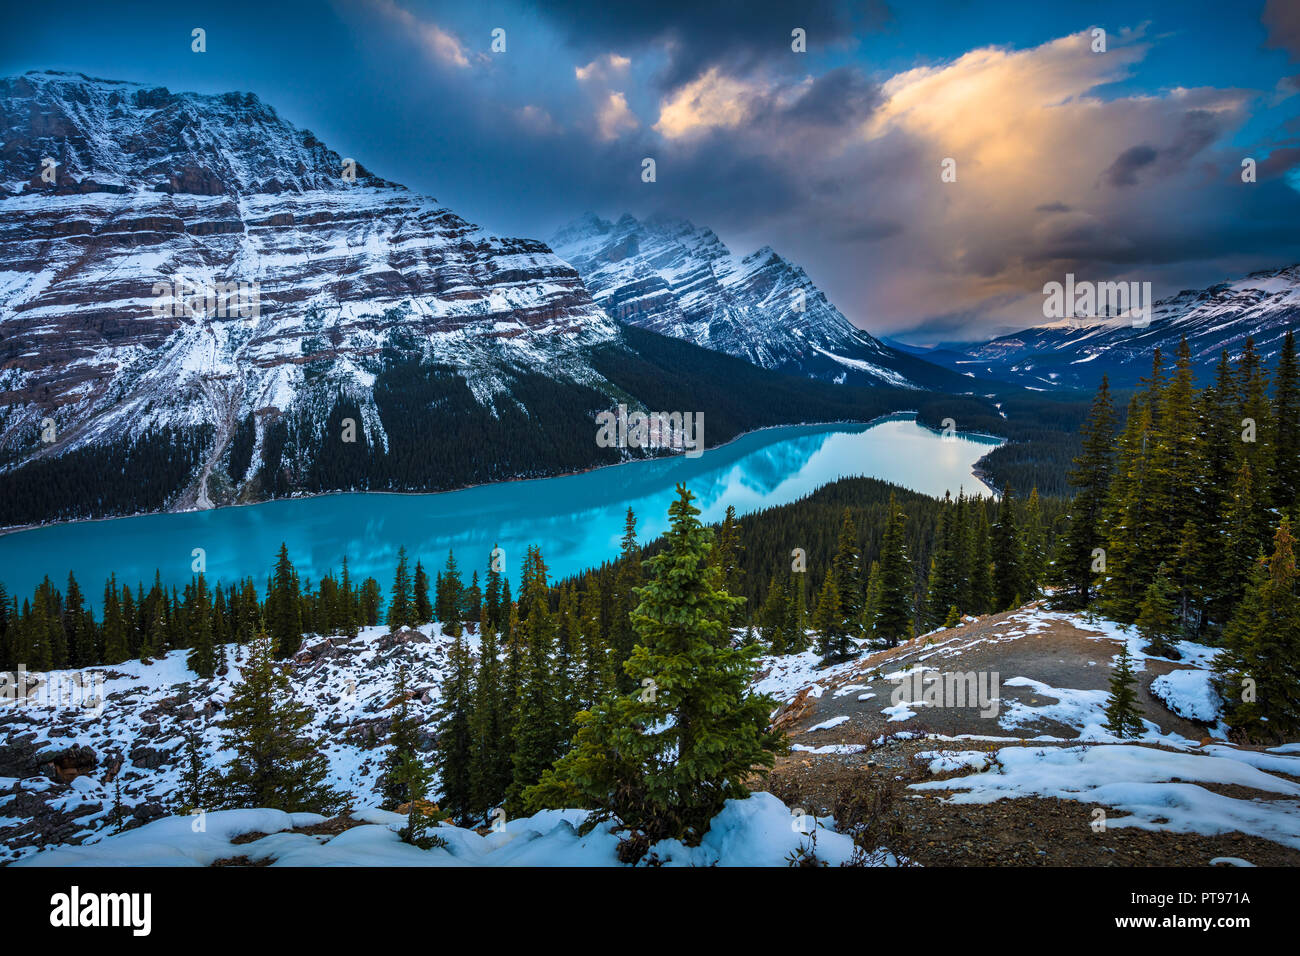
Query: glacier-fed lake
x,y
576,519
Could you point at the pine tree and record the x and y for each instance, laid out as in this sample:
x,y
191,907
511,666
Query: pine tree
x,y
772,618
403,741
893,620
1008,561
848,574
1258,671
622,636
728,556
196,779
833,641
1156,621
401,606
276,765
1286,428
202,658
491,769
1033,549
115,650
535,725
664,759
451,595
284,606
417,777
423,609
1091,479
454,758
796,614
944,587
981,559
1122,717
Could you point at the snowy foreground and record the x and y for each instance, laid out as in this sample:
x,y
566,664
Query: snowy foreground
x,y
1047,739
759,831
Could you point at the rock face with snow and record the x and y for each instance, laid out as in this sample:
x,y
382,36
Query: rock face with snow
x,y
1076,353
679,279
299,272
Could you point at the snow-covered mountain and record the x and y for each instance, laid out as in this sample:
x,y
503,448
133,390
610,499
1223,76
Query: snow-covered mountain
x,y
1076,353
679,279
151,189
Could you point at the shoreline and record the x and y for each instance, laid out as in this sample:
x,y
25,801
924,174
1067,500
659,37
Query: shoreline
x,y
907,414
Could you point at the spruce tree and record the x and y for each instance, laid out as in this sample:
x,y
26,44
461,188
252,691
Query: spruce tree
x,y
664,759
833,641
403,741
491,769
202,658
422,607
284,606
276,764
1090,477
1122,718
893,620
535,724
454,757
848,574
1156,622
1286,428
401,605
1258,671
1008,562
628,577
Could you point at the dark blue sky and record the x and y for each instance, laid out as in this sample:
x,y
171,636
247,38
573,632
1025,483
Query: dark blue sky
x,y
1122,164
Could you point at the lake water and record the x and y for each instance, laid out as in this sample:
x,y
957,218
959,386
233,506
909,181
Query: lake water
x,y
576,519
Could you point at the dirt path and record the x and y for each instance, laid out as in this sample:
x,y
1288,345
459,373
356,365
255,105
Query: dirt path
x,y
846,746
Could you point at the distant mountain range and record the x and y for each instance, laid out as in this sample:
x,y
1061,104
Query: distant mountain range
x,y
676,278
1076,353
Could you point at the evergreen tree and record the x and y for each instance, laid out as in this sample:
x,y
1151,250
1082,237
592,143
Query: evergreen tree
x,y
1091,478
451,596
1008,562
1033,551
664,759
1122,718
284,606
833,641
1286,428
403,740
893,619
535,724
848,574
1156,621
202,658
490,768
628,577
423,609
196,779
454,758
276,765
401,606
1258,671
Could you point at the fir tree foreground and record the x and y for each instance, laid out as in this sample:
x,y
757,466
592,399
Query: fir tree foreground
x,y
663,759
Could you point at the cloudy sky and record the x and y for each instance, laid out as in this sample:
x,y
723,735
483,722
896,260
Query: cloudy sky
x,y
1125,163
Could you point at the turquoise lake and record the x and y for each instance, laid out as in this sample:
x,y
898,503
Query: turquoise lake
x,y
576,519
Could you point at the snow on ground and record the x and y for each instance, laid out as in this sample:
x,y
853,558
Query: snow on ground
x,y
759,831
1189,693
1155,789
